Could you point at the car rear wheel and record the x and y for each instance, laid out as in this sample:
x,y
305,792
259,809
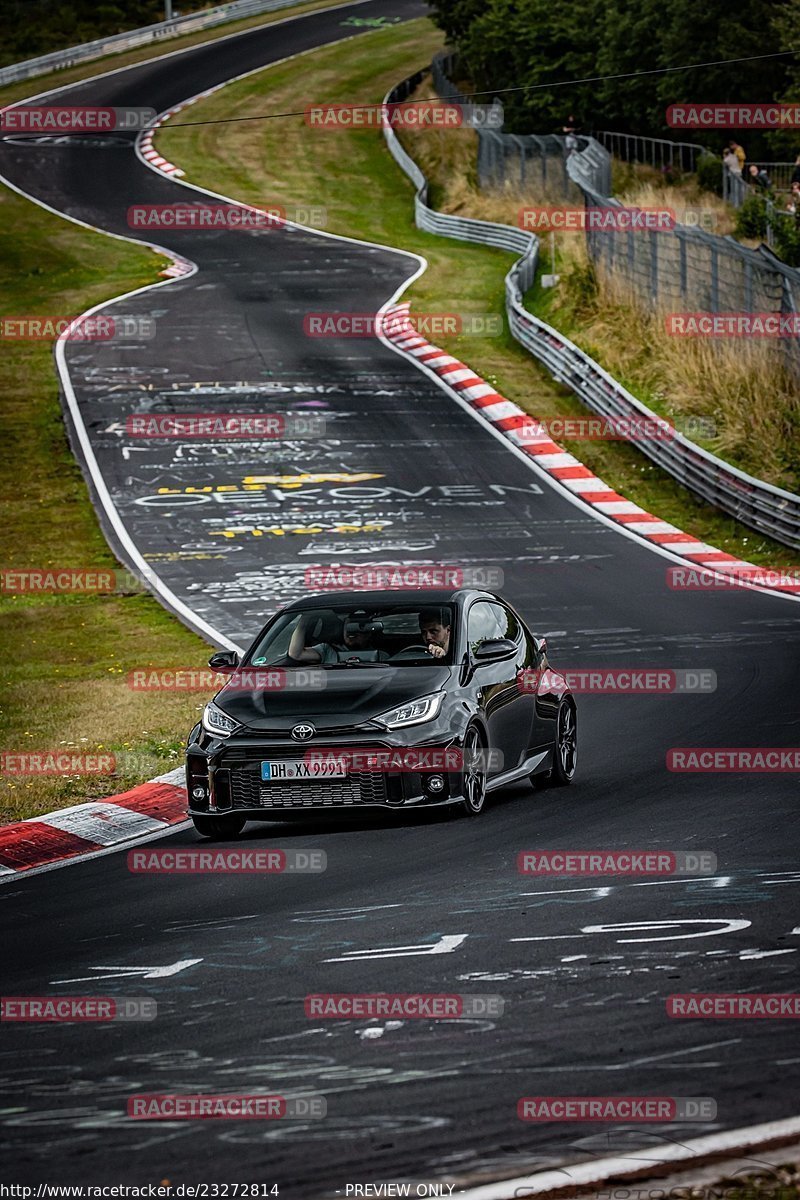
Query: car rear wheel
x,y
565,751
219,829
473,775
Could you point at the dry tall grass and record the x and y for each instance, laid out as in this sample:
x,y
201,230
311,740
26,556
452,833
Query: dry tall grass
x,y
740,385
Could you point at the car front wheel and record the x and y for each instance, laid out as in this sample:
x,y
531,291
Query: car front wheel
x,y
565,750
473,775
219,829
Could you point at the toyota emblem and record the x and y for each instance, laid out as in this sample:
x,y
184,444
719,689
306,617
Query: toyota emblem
x,y
301,733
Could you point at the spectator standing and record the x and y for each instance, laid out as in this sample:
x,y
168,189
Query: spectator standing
x,y
759,178
570,130
731,161
793,203
739,152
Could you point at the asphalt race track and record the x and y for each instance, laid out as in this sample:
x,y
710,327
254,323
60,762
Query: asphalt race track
x,y
584,968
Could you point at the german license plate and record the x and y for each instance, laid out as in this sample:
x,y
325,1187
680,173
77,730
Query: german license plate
x,y
278,771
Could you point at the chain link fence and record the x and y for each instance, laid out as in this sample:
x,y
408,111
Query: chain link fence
x,y
525,162
683,269
654,152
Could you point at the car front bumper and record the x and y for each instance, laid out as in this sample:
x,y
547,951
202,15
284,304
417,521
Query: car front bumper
x,y
223,777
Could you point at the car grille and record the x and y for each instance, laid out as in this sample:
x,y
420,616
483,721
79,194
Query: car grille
x,y
359,788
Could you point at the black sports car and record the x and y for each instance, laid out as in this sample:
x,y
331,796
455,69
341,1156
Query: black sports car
x,y
397,699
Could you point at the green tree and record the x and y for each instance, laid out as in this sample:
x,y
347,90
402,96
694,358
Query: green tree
x,y
539,46
630,42
714,31
784,145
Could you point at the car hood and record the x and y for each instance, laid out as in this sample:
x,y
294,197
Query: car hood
x,y
349,697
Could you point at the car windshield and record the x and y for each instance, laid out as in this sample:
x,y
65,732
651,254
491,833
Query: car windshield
x,y
367,636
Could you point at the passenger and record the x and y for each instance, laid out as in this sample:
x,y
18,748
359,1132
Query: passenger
x,y
356,644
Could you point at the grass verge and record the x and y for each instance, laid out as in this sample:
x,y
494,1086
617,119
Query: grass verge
x,y
67,657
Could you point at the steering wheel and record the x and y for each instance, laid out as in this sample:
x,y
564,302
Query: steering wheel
x,y
410,652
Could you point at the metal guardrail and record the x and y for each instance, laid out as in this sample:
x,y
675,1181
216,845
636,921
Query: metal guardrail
x,y
760,505
117,42
464,229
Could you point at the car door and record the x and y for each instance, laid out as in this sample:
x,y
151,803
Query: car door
x,y
536,681
519,713
496,685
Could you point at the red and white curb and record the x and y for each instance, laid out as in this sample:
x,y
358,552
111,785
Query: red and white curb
x,y
145,141
533,439
85,830
146,149
149,151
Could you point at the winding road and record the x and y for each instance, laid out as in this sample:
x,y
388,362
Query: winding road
x,y
584,966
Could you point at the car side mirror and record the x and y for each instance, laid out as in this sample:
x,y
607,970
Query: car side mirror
x,y
224,661
540,644
494,650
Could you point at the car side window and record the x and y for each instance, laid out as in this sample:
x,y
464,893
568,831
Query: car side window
x,y
483,623
507,623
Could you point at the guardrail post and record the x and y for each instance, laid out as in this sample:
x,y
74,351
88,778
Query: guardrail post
x,y
684,287
748,286
654,265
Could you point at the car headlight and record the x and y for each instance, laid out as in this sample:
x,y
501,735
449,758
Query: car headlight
x,y
217,722
413,713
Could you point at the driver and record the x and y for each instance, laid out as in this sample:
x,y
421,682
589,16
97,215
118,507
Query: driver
x,y
355,646
434,625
